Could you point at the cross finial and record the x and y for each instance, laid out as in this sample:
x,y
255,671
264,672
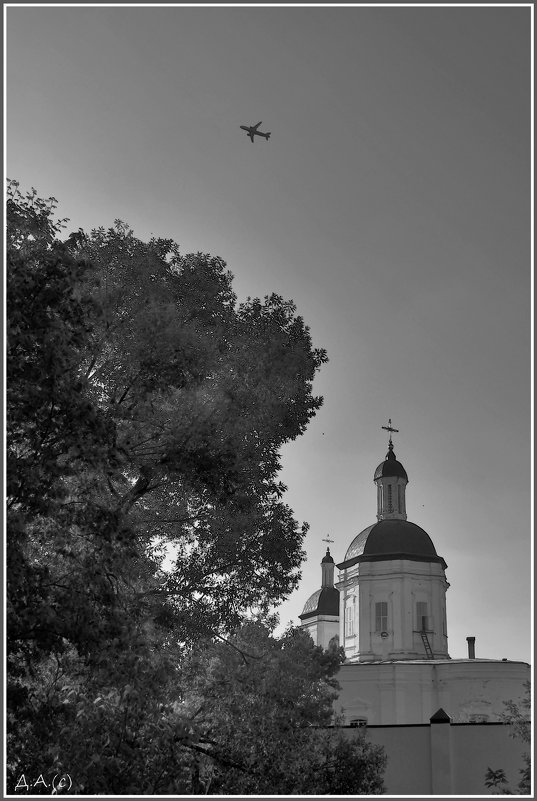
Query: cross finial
x,y
390,429
327,539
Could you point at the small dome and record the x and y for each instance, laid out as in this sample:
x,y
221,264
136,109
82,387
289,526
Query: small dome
x,y
327,558
390,467
323,602
398,537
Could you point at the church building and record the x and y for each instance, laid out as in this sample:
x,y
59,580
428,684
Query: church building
x,y
387,609
390,600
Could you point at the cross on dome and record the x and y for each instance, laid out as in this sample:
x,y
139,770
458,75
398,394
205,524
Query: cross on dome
x,y
391,430
328,556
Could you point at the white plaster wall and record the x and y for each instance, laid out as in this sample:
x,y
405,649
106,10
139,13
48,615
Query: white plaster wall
x,y
327,628
481,687
322,628
411,692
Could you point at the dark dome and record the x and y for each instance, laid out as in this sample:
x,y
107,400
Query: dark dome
x,y
392,537
390,467
323,602
327,557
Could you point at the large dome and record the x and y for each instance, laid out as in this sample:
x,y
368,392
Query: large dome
x,y
392,539
323,602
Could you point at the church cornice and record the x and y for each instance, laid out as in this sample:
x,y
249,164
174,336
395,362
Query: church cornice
x,y
320,616
381,557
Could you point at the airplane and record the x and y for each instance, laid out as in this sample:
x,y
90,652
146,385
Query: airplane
x,y
252,131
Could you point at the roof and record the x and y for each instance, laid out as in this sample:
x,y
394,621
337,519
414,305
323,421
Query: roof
x,y
392,539
323,602
440,717
390,467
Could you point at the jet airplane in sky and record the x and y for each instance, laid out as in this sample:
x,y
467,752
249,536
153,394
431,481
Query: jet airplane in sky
x,y
252,131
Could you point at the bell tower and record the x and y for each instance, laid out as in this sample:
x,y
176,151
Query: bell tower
x,y
392,582
320,614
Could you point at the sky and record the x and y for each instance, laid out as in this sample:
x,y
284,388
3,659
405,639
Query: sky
x,y
392,203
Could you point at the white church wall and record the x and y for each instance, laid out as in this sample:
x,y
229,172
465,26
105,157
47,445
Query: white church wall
x,y
322,629
476,687
327,628
410,692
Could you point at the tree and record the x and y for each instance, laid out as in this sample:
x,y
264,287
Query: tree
x,y
517,717
263,712
202,392
145,409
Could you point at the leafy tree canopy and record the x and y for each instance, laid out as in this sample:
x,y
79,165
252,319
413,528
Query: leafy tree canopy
x,y
251,715
261,710
146,409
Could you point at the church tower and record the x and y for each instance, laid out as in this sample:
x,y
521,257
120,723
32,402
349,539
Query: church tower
x,y
391,480
320,616
392,583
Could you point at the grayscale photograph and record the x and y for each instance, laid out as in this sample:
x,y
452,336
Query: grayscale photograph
x,y
268,399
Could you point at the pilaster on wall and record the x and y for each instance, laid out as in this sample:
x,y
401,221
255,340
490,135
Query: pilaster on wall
x,y
441,754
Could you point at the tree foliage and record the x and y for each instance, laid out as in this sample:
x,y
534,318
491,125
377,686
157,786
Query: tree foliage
x,y
202,392
251,715
264,717
146,409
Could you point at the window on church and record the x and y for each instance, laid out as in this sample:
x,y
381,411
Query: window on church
x,y
421,614
390,501
381,616
349,621
399,499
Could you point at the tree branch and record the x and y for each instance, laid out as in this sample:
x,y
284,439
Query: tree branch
x,y
129,386
228,763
